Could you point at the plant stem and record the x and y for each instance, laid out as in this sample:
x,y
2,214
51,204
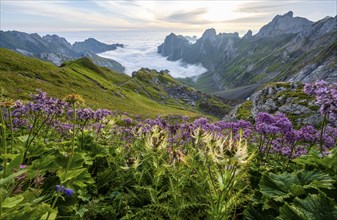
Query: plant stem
x,y
322,132
69,161
4,144
0,205
72,144
11,130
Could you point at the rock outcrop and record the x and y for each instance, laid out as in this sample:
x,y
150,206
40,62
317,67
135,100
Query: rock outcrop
x,y
248,35
173,47
287,98
284,24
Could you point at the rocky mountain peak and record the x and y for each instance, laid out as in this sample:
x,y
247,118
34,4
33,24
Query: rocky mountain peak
x,y
55,39
284,24
248,35
173,46
209,33
289,14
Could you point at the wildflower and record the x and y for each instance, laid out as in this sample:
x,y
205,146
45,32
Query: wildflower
x,y
22,166
72,98
67,192
7,104
184,118
128,120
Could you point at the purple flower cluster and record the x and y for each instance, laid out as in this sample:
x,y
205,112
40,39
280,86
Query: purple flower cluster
x,y
326,97
85,114
277,135
41,103
272,124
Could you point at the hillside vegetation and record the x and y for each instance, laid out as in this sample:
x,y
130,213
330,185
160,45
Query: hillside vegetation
x,y
102,88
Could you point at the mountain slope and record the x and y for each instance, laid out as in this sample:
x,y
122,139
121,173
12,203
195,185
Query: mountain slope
x,y
286,49
101,87
56,49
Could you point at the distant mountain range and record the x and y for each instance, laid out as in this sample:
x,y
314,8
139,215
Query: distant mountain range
x,y
56,49
286,49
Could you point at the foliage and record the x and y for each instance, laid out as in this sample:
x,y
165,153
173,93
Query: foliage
x,y
61,159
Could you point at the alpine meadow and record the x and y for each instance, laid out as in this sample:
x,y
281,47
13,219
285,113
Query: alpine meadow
x,y
142,110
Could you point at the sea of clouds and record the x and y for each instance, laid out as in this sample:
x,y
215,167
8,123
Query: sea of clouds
x,y
140,50
134,57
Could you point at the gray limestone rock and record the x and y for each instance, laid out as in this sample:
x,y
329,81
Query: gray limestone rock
x,y
284,24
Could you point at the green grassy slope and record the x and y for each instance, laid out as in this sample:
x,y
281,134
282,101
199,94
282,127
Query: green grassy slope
x,y
101,88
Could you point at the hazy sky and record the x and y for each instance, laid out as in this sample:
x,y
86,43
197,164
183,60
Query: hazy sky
x,y
181,16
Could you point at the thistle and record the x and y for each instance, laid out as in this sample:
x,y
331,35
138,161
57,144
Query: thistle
x,y
74,98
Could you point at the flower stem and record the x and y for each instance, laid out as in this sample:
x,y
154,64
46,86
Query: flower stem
x,y
3,142
69,161
322,132
11,130
72,143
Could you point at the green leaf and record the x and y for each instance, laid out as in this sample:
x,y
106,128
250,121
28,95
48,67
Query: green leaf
x,y
12,201
23,138
83,179
81,211
313,207
8,156
16,161
10,177
297,190
77,161
315,179
52,216
278,186
71,174
46,163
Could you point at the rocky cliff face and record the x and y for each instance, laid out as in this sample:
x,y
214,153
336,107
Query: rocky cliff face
x,y
286,49
287,98
57,49
209,50
284,24
174,47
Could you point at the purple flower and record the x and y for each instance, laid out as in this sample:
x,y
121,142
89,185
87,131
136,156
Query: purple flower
x,y
307,134
67,192
200,122
101,113
184,118
128,120
326,96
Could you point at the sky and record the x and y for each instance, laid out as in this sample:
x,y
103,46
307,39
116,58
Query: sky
x,y
173,16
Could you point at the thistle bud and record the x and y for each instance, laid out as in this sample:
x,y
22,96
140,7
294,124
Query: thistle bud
x,y
73,98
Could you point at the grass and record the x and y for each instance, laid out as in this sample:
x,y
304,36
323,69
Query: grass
x,y
244,111
101,88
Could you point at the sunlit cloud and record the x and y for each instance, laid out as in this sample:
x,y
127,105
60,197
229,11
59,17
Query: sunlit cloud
x,y
225,16
188,17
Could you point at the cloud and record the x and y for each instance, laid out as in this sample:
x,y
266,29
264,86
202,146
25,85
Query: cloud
x,y
265,6
190,17
45,15
61,15
133,58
